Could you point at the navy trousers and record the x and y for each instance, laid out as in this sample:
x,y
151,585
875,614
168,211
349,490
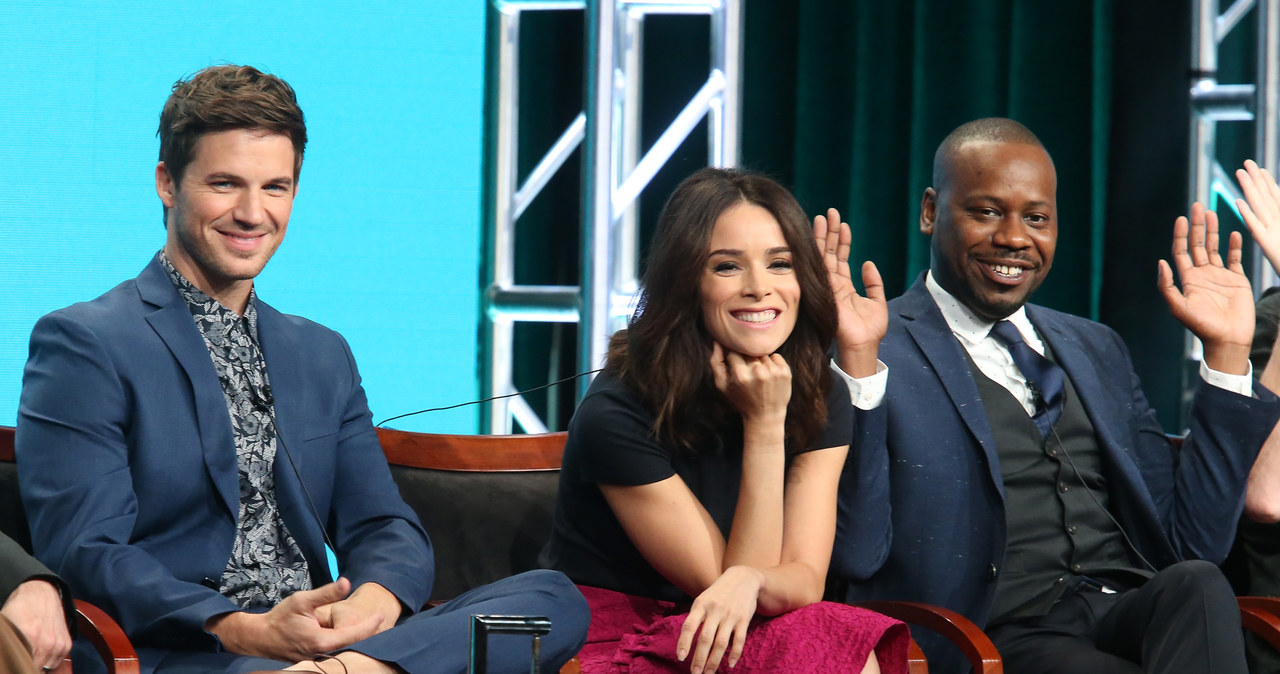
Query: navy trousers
x,y
436,640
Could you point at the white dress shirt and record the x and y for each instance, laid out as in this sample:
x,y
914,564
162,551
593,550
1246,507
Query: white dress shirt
x,y
992,357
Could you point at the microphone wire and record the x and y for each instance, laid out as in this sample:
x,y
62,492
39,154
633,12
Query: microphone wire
x,y
265,402
1042,406
491,398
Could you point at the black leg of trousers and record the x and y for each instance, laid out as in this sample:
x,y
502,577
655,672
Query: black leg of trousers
x,y
1184,620
1061,641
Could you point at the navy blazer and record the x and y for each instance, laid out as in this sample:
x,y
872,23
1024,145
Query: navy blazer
x,y
922,504
127,461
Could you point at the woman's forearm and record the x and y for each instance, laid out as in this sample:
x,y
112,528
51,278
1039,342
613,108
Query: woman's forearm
x,y
755,539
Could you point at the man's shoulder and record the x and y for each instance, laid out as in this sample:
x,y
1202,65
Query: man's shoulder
x,y
105,310
273,319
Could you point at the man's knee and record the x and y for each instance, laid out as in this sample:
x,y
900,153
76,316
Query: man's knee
x,y
1195,576
571,614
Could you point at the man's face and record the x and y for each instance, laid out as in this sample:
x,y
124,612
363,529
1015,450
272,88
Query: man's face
x,y
229,213
994,225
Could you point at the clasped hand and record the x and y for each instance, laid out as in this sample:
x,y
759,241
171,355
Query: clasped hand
x,y
309,623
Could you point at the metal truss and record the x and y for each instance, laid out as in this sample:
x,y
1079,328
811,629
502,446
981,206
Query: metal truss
x,y
1212,102
615,172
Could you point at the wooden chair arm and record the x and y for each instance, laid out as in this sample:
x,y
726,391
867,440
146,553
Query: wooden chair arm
x,y
1261,615
1267,604
916,662
959,630
107,638
488,453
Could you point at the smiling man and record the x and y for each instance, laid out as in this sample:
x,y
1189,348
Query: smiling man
x,y
1025,481
186,452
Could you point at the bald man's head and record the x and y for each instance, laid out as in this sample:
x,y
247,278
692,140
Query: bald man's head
x,y
988,129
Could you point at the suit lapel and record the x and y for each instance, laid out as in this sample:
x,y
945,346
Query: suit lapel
x,y
172,321
1083,370
286,374
929,330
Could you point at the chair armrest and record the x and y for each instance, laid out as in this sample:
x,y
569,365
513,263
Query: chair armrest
x,y
1261,615
959,630
107,638
916,663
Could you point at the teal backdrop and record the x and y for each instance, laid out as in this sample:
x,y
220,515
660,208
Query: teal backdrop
x,y
384,242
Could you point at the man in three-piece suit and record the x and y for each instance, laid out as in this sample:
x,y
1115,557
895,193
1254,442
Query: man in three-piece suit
x,y
186,452
1026,482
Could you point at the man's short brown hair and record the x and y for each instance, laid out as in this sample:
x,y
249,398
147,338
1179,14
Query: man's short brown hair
x,y
220,98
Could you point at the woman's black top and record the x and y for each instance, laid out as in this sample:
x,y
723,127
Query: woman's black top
x,y
611,442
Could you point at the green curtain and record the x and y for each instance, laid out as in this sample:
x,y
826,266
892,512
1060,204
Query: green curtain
x,y
846,100
867,90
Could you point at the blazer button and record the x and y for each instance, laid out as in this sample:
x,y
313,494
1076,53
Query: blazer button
x,y
992,572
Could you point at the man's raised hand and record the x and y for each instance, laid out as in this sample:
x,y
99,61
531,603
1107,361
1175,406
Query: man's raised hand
x,y
863,319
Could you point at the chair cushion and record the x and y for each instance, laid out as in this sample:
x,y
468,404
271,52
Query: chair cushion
x,y
13,518
484,526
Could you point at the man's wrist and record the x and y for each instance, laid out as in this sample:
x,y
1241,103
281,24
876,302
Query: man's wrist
x,y
866,393
859,363
382,599
229,628
1230,359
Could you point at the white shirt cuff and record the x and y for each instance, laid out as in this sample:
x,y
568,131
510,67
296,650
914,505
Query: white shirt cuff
x,y
866,392
1236,383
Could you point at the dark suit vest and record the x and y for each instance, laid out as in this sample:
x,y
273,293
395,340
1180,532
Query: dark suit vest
x,y
1056,506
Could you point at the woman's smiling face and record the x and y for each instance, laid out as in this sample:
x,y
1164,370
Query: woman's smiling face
x,y
750,294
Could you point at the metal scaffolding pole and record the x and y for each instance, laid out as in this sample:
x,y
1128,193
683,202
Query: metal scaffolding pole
x,y
1211,103
615,172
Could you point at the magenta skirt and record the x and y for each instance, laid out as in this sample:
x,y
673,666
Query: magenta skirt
x,y
635,635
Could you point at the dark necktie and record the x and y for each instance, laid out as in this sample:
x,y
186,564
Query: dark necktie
x,y
1044,377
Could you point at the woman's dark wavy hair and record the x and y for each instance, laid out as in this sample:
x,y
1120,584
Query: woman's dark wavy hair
x,y
664,354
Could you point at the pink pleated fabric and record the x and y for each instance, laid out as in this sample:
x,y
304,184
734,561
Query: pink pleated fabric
x,y
635,635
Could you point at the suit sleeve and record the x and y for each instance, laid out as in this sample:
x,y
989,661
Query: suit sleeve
x,y
18,567
1198,491
377,536
73,464
863,522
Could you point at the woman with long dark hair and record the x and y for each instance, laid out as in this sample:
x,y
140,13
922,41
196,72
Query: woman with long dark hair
x,y
703,462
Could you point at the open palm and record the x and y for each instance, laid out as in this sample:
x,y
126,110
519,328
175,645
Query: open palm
x,y
863,319
1215,301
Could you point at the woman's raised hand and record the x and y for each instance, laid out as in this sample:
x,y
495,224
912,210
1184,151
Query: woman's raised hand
x,y
863,320
759,388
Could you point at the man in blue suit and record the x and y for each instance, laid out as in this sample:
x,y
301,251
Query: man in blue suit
x,y
1025,481
186,452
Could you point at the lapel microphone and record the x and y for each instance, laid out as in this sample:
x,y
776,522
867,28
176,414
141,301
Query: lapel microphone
x,y
265,403
1037,397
